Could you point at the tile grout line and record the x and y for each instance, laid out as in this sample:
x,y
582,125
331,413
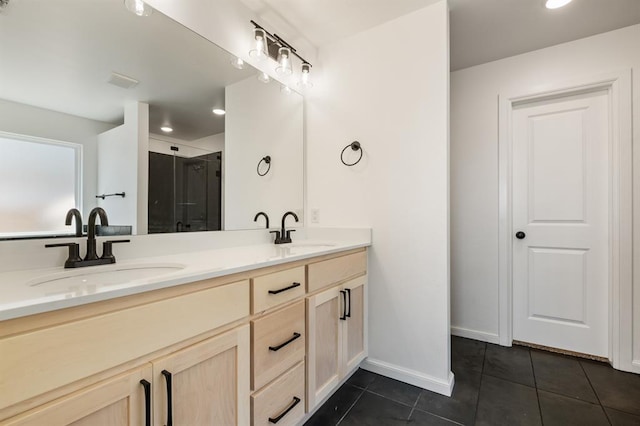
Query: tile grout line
x,y
354,402
535,384
414,405
484,357
595,392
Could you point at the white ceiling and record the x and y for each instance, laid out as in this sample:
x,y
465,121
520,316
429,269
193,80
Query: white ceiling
x,y
481,30
58,55
487,30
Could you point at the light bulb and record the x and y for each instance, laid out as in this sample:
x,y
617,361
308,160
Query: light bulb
x,y
218,111
285,89
555,4
305,80
138,7
166,129
259,50
284,61
264,77
237,63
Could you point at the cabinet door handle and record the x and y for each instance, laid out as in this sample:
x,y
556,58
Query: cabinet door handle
x,y
147,401
344,305
295,402
294,285
167,376
348,314
282,345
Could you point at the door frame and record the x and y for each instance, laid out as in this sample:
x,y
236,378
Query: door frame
x,y
618,87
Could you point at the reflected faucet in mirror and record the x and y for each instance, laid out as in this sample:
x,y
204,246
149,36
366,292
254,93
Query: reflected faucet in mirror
x,y
283,236
91,259
71,214
266,218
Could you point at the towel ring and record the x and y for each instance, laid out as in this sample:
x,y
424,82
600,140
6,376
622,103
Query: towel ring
x,y
267,161
355,145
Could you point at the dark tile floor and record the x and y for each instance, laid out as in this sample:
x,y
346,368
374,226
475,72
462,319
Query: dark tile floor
x,y
494,386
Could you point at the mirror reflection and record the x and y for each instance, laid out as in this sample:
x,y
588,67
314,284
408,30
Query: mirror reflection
x,y
100,107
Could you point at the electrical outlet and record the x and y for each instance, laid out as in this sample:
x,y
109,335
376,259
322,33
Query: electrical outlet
x,y
315,215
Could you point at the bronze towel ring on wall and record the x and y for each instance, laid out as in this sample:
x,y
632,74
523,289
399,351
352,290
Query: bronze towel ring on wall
x,y
355,145
267,161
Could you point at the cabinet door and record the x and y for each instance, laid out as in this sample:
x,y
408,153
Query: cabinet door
x,y
205,384
354,342
324,343
118,401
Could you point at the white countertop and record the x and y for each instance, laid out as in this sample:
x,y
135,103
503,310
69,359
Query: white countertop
x,y
24,293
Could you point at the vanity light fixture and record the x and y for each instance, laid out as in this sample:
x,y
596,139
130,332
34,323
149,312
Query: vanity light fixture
x,y
556,4
305,80
166,129
260,42
284,61
237,63
218,111
138,7
274,47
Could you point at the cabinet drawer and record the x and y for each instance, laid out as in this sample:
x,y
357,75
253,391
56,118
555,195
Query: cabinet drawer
x,y
278,342
274,289
281,401
79,349
328,272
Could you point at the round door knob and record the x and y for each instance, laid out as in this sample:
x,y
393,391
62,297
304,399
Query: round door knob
x,y
520,235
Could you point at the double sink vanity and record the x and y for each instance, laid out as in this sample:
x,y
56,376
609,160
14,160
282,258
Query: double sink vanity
x,y
257,334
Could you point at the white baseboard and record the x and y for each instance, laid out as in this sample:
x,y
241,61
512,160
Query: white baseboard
x,y
424,381
475,334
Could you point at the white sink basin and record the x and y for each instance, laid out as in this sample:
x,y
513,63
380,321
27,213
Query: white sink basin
x,y
101,276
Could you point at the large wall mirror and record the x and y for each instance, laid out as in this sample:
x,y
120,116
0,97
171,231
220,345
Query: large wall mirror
x,y
101,107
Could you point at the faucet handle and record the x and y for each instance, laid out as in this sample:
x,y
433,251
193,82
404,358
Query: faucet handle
x,y
289,233
74,253
107,249
278,237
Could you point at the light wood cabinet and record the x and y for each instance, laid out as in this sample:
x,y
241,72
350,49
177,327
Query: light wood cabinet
x,y
335,337
235,350
278,343
121,401
205,384
282,401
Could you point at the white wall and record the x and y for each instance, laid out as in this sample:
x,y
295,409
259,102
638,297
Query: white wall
x,y
262,121
474,163
32,121
123,166
388,88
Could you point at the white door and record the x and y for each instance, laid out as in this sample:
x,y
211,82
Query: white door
x,y
561,205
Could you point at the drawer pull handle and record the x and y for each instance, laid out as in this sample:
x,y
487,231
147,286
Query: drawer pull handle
x,y
147,401
167,376
282,345
344,305
348,314
294,285
295,402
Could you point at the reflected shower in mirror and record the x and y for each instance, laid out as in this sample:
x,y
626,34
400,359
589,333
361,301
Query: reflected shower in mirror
x,y
135,95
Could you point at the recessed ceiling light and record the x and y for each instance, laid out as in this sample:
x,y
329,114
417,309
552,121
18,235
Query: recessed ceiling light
x,y
555,4
166,129
218,111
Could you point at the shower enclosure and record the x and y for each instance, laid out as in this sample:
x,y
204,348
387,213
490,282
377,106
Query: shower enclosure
x,y
185,194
